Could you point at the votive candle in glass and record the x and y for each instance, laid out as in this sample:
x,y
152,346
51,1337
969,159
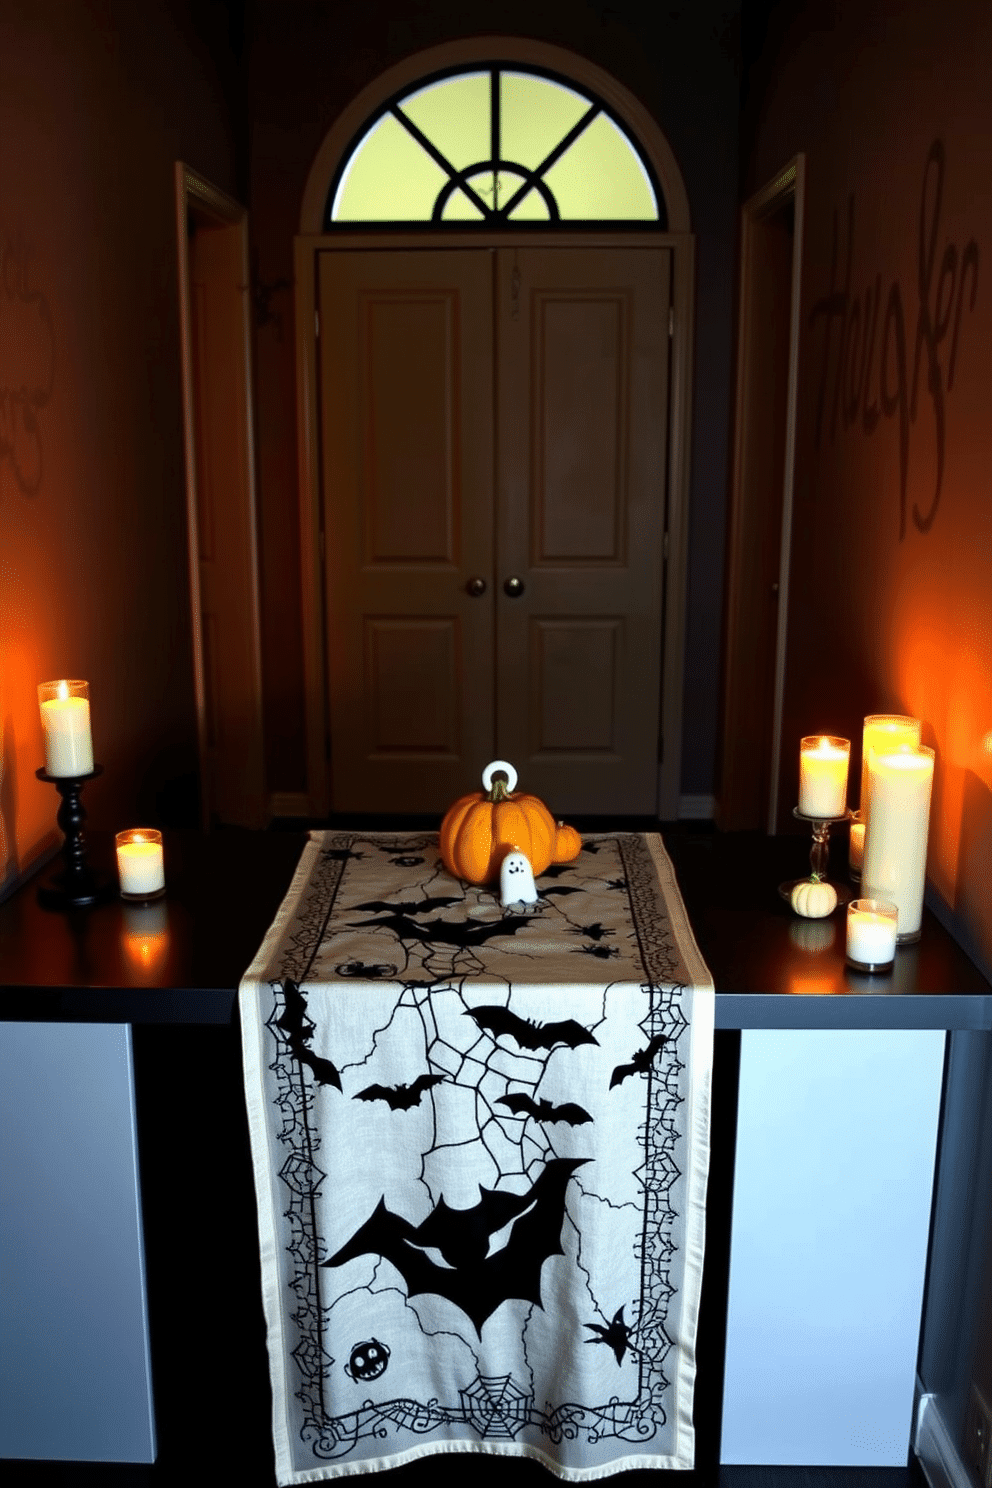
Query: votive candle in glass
x,y
895,861
884,732
856,847
140,863
65,721
872,925
823,764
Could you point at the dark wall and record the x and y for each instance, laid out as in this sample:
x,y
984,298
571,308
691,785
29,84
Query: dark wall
x,y
308,60
97,101
891,593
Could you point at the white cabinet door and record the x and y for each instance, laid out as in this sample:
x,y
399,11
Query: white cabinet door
x,y
75,1376
836,1140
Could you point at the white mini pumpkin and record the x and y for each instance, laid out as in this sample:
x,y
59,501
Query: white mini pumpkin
x,y
813,898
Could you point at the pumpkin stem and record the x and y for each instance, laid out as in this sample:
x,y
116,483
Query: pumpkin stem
x,y
816,878
499,791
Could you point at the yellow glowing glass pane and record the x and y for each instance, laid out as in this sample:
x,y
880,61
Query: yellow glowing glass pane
x,y
533,208
460,208
454,115
389,178
601,176
508,183
534,115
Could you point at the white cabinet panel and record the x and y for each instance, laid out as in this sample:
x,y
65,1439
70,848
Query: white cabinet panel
x,y
833,1179
75,1381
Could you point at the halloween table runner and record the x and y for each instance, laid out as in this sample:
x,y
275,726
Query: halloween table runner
x,y
480,1140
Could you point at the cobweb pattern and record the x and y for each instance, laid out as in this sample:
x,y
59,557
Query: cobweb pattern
x,y
437,986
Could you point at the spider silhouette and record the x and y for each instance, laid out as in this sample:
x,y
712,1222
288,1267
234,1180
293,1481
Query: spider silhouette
x,y
596,931
616,1335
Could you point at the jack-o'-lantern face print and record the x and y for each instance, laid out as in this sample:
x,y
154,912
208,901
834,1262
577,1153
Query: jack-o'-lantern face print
x,y
368,1360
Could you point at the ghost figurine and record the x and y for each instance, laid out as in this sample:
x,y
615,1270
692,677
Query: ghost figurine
x,y
516,880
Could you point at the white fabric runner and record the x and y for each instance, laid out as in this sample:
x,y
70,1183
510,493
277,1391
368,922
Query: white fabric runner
x,y
480,1139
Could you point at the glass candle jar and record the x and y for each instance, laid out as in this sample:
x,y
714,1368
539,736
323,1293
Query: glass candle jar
x,y
140,863
871,934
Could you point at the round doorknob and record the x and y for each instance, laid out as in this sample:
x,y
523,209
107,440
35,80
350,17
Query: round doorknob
x,y
513,587
475,587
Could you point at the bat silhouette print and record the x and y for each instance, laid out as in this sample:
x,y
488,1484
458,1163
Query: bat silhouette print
x,y
454,1253
400,1097
640,1062
522,1104
299,1030
500,1020
460,933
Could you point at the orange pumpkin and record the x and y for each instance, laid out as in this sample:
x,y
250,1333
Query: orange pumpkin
x,y
479,830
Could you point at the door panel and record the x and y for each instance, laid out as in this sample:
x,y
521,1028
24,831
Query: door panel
x,y
406,368
580,412
411,684
565,713
582,398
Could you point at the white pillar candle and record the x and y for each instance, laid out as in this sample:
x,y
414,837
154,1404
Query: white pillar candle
x,y
884,732
856,848
871,932
65,721
823,762
140,863
895,861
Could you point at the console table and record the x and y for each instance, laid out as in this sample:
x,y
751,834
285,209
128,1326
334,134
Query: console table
x,y
106,1013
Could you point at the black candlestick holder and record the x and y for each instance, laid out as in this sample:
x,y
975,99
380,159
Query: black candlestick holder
x,y
77,886
819,854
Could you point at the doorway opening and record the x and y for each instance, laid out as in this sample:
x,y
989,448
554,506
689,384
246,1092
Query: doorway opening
x,y
760,526
212,240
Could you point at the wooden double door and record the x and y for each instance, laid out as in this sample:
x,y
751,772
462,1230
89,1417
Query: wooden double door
x,y
494,427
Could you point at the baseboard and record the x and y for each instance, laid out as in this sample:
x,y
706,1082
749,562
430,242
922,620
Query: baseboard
x,y
936,1449
696,808
13,878
289,803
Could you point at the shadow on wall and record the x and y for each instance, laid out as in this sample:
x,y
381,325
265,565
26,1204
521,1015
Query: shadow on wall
x,y
167,793
27,365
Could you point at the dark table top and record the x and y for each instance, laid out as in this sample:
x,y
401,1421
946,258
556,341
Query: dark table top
x,y
180,959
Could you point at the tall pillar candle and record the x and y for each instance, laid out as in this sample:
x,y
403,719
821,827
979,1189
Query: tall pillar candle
x,y
884,732
823,763
65,721
895,860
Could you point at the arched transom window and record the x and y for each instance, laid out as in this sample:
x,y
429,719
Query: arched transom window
x,y
498,146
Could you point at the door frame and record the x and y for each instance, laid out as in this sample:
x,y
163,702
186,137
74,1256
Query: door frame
x,y
199,201
312,241
789,184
